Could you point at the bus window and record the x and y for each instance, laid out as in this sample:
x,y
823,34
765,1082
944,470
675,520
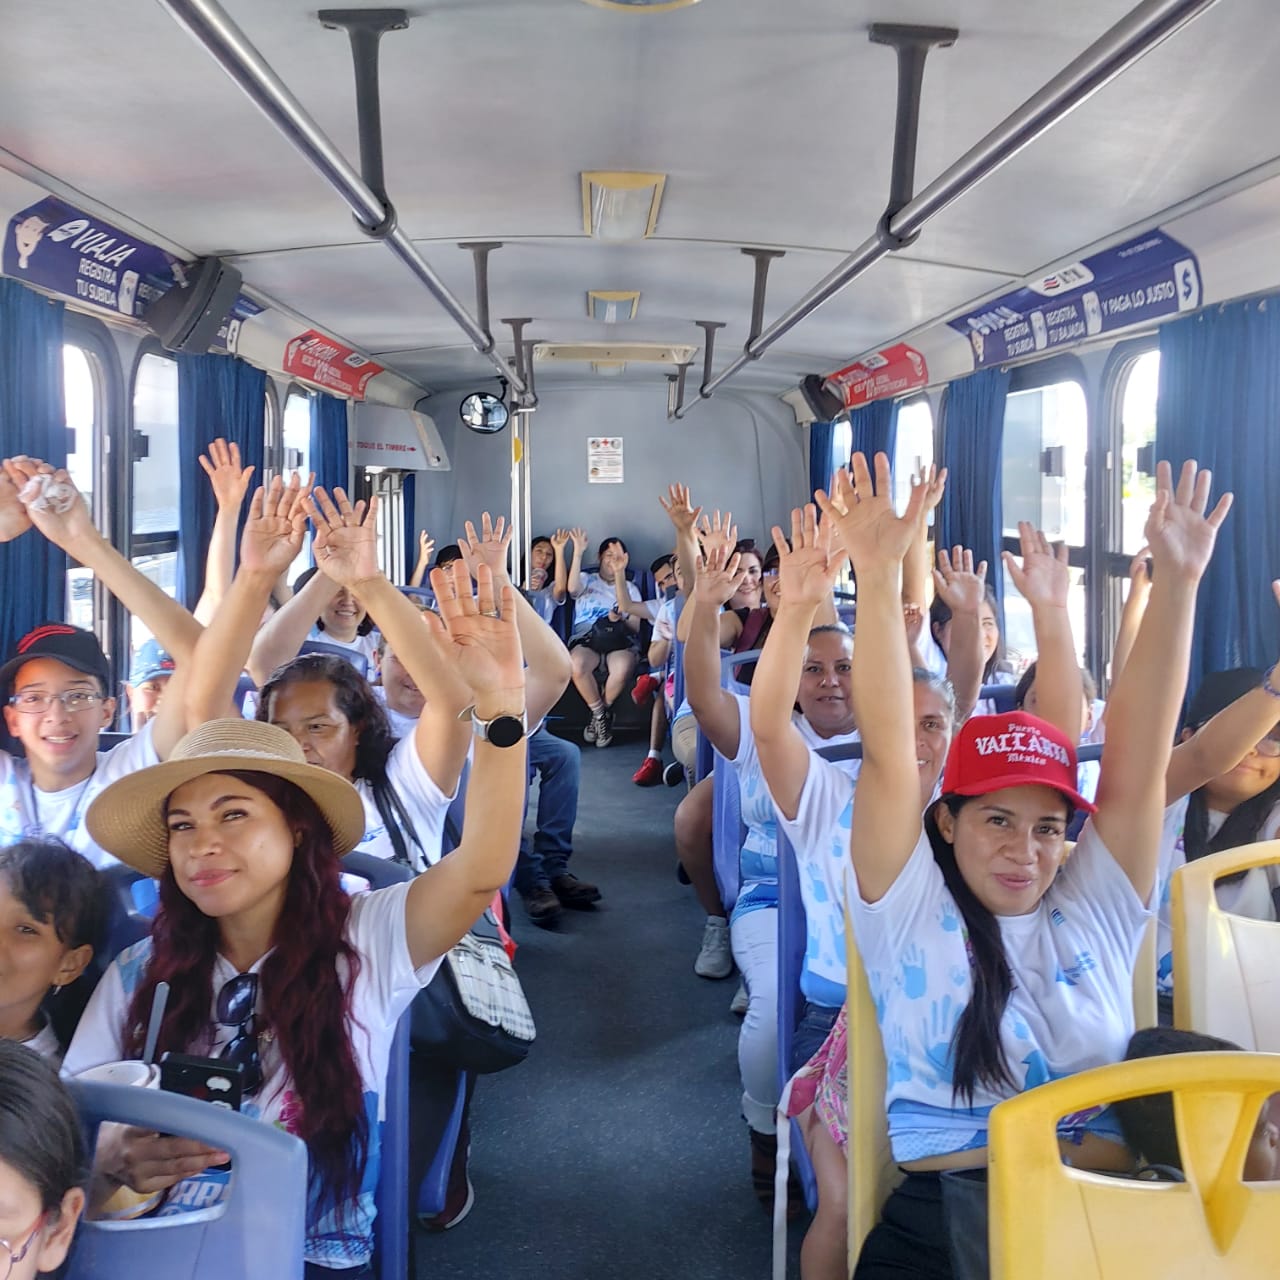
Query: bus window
x,y
1046,432
913,448
80,396
156,471
1137,447
296,434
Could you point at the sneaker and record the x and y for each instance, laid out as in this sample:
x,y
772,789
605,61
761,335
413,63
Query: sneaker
x,y
590,729
460,1195
648,774
569,891
542,905
673,774
643,688
738,1006
604,730
715,959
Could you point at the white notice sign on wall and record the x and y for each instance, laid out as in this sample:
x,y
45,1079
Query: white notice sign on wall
x,y
604,459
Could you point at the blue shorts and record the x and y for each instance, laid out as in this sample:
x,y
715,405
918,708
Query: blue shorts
x,y
816,1021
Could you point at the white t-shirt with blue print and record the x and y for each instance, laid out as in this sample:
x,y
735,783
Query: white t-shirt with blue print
x,y
758,859
1072,961
819,833
597,599
386,984
1252,895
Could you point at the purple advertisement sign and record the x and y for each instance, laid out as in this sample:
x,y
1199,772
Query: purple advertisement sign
x,y
59,248
1145,279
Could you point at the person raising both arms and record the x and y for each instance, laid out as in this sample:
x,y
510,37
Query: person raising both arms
x,y
57,681
967,927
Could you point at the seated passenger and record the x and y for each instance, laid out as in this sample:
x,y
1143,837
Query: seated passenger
x,y
604,640
993,965
668,582
57,681
148,677
1092,729
269,963
42,1165
51,903
542,564
426,545
1148,1121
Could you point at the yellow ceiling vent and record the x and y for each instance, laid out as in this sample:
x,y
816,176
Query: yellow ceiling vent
x,y
621,206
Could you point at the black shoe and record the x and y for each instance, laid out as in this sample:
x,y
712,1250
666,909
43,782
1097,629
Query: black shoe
x,y
673,774
574,893
542,906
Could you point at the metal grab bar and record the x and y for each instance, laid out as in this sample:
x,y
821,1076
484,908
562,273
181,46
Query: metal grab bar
x,y
211,26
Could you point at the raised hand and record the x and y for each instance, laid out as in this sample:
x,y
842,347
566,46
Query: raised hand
x,y
913,620
718,532
230,481
275,527
426,545
1044,577
718,577
489,547
346,537
680,509
51,500
13,515
934,484
559,540
579,539
479,635
872,533
960,585
808,568
1140,569
1181,536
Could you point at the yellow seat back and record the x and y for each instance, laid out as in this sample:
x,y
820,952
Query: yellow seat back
x,y
1047,1219
1226,968
1144,981
872,1172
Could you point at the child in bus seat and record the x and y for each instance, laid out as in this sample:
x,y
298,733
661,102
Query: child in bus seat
x,y
148,677
962,926
57,681
51,915
935,650
668,583
42,1165
1148,1121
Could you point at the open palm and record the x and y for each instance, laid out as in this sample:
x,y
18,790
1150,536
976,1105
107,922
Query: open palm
x,y
275,527
872,533
1044,576
228,478
807,570
346,541
678,504
960,584
718,577
481,640
489,547
1181,536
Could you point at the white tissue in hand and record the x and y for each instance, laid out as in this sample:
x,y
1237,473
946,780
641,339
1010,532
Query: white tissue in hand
x,y
43,493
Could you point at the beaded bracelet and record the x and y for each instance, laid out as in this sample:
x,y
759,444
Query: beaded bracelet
x,y
1267,686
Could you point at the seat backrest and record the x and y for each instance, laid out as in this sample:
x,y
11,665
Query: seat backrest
x,y
729,667
727,831
258,1232
1145,1011
1001,696
391,1226
678,649
357,660
379,872
1049,1219
1226,968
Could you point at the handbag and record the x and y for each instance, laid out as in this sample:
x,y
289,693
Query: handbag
x,y
472,1015
609,637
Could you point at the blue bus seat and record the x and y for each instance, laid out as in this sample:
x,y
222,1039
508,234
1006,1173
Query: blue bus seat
x,y
126,921
109,739
727,831
357,660
257,1233
677,649
391,1226
245,689
434,1187
729,664
1001,695
423,595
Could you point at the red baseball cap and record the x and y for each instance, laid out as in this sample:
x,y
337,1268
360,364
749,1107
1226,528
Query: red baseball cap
x,y
1015,750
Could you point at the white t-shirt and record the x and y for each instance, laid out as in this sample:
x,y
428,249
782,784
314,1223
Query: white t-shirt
x,y
386,983
664,625
1250,896
45,1043
597,599
819,833
402,726
1072,962
425,803
26,811
366,646
758,858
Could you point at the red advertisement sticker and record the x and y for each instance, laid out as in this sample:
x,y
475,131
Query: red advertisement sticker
x,y
885,373
329,364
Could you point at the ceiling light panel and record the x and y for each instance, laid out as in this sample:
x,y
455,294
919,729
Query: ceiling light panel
x,y
608,368
621,206
612,305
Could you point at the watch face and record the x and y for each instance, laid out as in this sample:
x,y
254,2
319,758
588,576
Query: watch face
x,y
505,731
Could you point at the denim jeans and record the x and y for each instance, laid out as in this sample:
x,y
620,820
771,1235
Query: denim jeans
x,y
816,1021
314,1272
557,764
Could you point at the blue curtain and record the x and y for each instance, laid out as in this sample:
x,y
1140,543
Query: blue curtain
x,y
409,490
1219,404
32,420
822,437
875,428
329,441
217,396
972,437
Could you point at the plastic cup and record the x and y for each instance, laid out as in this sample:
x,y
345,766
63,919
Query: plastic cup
x,y
126,1203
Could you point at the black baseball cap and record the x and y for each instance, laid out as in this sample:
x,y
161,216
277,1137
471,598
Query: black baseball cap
x,y
71,646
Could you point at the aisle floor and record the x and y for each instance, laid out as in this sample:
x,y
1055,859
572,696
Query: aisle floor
x,y
617,1149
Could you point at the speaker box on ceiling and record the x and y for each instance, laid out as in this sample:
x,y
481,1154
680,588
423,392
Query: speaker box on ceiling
x,y
187,319
825,406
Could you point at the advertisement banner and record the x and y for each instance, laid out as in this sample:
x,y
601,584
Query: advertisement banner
x,y
604,460
228,336
889,372
1143,280
329,364
57,247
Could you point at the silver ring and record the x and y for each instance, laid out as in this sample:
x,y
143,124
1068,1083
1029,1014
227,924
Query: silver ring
x,y
490,613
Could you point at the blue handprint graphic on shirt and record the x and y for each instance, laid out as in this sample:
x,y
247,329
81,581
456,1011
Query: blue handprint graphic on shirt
x,y
936,1032
914,979
897,1058
949,918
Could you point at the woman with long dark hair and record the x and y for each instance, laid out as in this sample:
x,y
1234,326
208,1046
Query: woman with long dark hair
x,y
995,964
269,963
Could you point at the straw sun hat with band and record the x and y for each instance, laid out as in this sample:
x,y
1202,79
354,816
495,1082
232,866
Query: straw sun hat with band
x,y
128,819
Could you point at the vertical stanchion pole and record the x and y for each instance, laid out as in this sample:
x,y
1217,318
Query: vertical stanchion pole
x,y
526,509
517,453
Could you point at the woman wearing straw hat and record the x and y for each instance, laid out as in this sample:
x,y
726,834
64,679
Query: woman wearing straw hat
x,y
269,963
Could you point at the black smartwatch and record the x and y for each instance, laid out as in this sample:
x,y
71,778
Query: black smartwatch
x,y
501,731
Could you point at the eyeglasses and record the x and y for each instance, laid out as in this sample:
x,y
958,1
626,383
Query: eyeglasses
x,y
9,1259
1270,745
32,703
236,1004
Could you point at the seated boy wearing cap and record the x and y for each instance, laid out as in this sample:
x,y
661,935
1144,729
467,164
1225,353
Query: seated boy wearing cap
x,y
148,677
57,682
